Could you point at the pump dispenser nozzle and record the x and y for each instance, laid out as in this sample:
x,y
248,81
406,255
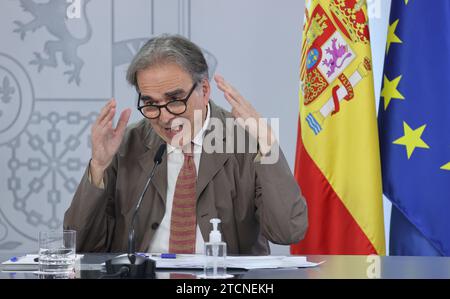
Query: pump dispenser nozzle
x,y
214,235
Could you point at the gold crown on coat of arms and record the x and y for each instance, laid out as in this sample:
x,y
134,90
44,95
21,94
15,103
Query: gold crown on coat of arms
x,y
351,19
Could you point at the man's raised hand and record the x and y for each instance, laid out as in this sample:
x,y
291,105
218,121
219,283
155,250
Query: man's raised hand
x,y
106,139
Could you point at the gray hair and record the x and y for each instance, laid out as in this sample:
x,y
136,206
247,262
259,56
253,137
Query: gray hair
x,y
169,49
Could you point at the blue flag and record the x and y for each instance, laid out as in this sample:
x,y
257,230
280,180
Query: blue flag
x,y
414,124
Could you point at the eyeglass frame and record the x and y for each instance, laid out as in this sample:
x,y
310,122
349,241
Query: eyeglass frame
x,y
166,104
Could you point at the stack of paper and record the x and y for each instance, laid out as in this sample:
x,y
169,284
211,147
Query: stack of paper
x,y
29,262
188,261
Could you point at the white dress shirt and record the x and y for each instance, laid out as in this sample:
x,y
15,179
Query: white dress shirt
x,y
175,160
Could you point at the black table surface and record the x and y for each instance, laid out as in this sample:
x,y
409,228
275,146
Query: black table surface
x,y
335,266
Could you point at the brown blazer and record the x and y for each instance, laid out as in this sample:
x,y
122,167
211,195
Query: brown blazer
x,y
256,202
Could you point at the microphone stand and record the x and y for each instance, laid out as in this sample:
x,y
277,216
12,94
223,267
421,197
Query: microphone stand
x,y
133,265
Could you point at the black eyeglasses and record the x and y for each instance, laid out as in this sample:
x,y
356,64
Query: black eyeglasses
x,y
175,107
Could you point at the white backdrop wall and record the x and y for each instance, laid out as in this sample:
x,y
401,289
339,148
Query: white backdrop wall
x,y
45,126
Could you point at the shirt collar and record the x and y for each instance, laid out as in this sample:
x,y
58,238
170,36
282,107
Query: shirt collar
x,y
198,139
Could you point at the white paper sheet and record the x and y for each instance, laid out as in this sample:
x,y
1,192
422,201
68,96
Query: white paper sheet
x,y
235,262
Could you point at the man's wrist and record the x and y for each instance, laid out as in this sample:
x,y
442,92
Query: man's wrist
x,y
264,148
265,143
266,139
96,174
94,164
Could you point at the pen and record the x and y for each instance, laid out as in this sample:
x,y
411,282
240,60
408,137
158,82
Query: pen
x,y
16,259
162,255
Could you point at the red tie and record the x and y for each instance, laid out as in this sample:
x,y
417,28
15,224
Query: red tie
x,y
183,223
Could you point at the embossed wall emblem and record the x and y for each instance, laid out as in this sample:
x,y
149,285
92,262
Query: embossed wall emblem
x,y
53,81
52,16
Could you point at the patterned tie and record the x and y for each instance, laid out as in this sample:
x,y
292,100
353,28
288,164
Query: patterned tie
x,y
183,223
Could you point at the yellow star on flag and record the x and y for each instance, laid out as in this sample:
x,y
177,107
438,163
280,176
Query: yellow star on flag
x,y
406,2
412,139
391,37
390,90
446,166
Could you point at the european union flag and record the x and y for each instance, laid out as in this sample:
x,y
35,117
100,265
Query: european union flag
x,y
414,124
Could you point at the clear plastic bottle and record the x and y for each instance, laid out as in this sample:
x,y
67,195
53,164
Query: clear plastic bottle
x,y
215,254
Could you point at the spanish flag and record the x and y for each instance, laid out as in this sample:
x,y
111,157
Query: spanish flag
x,y
338,161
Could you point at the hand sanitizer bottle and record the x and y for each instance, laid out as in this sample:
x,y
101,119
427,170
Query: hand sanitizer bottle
x,y
215,254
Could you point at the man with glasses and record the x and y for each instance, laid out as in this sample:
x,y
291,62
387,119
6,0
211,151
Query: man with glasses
x,y
256,202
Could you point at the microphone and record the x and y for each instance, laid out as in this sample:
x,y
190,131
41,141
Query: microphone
x,y
132,265
131,236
